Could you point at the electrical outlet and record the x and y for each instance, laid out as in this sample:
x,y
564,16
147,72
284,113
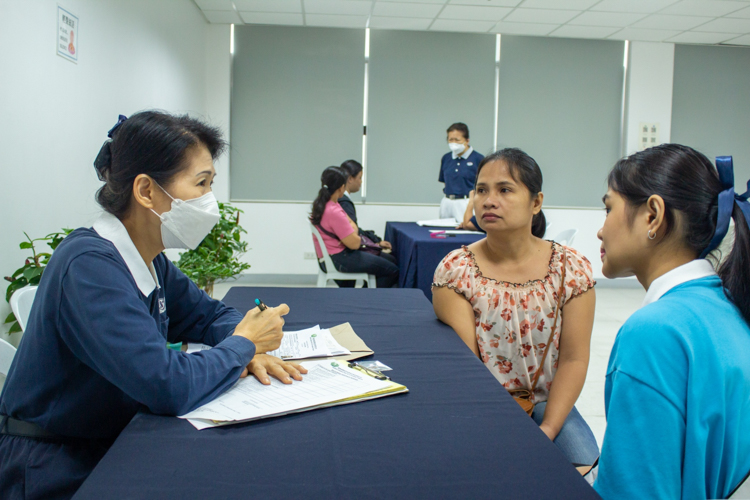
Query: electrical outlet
x,y
310,256
648,135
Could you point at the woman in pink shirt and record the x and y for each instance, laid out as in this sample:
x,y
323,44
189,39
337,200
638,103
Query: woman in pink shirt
x,y
341,235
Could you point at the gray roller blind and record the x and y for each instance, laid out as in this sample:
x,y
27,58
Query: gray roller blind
x,y
296,108
560,101
420,83
711,103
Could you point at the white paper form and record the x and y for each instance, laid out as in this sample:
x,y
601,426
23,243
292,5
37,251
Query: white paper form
x,y
325,382
451,222
302,344
334,347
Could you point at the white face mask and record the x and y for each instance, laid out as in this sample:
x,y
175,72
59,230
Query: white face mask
x,y
188,222
456,147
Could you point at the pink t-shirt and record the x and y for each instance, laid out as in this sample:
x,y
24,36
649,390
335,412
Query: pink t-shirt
x,y
334,221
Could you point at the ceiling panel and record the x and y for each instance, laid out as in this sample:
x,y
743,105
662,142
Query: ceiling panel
x,y
604,19
441,2
644,35
695,37
467,26
282,18
399,23
714,8
268,5
568,31
338,7
667,22
726,25
744,13
743,40
214,4
547,16
393,9
473,13
637,6
559,4
487,3
523,29
332,21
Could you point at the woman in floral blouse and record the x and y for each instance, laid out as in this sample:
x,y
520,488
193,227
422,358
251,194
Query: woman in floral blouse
x,y
501,294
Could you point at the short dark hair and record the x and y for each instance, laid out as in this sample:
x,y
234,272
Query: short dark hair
x,y
689,184
461,127
352,167
524,169
153,143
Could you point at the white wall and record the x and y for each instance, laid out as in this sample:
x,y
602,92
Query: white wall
x,y
651,70
54,114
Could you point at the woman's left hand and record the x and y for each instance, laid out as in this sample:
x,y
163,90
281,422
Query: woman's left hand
x,y
385,244
263,364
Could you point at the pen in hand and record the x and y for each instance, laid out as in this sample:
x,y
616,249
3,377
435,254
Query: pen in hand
x,y
260,305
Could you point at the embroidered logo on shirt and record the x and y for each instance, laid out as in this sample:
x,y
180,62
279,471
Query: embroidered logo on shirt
x,y
470,163
162,305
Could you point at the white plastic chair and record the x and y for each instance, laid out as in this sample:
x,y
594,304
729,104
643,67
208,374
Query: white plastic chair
x,y
20,304
333,274
7,353
566,237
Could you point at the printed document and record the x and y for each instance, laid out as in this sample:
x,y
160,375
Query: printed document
x,y
451,222
326,382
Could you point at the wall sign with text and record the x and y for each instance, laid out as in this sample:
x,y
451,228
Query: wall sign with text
x,y
67,35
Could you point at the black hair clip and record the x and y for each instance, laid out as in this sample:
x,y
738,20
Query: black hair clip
x,y
120,120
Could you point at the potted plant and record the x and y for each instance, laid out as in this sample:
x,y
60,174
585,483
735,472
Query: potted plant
x,y
217,257
31,272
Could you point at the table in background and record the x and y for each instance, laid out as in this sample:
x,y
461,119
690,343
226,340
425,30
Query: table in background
x,y
456,434
418,254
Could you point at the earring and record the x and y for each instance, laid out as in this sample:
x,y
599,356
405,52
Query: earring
x,y
651,236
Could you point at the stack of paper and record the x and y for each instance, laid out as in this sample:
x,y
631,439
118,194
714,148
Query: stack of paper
x,y
439,222
327,383
455,231
309,343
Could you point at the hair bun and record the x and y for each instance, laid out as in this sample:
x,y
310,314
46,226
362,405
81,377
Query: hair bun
x,y
103,160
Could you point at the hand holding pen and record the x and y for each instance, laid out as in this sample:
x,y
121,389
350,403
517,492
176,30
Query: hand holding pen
x,y
263,326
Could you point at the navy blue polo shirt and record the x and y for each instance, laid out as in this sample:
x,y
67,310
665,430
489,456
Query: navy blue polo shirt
x,y
459,172
94,351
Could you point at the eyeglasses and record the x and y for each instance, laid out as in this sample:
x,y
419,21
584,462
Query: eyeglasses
x,y
375,373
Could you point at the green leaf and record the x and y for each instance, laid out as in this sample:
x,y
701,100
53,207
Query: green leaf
x,y
10,319
15,328
25,245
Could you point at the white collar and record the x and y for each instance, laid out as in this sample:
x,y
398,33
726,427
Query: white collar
x,y
110,228
693,270
346,193
464,155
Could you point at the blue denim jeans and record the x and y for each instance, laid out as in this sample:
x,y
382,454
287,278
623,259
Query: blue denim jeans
x,y
575,439
383,266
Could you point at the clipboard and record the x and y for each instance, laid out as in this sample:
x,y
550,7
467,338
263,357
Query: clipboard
x,y
345,335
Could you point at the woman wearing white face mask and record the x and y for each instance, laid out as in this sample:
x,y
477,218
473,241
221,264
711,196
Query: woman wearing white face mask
x,y
458,170
95,348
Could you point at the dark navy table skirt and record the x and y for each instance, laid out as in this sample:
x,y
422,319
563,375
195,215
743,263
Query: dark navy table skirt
x,y
418,254
456,434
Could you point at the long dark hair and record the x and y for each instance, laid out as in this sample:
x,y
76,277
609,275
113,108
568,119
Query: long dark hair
x,y
152,143
352,167
524,169
331,179
689,184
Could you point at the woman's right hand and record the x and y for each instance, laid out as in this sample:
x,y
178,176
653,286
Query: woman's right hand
x,y
263,328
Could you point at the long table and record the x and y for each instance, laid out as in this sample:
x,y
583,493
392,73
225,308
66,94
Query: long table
x,y
456,434
419,254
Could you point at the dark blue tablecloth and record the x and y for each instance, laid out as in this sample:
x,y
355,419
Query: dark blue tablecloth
x,y
418,254
456,434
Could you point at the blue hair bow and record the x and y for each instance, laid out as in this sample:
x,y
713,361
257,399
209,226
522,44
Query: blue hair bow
x,y
120,120
727,199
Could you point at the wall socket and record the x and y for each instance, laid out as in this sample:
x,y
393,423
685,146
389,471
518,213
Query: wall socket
x,y
310,256
648,135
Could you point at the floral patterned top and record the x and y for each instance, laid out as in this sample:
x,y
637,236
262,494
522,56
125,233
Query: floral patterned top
x,y
514,320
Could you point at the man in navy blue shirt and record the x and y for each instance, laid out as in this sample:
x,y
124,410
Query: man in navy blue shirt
x,y
458,170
